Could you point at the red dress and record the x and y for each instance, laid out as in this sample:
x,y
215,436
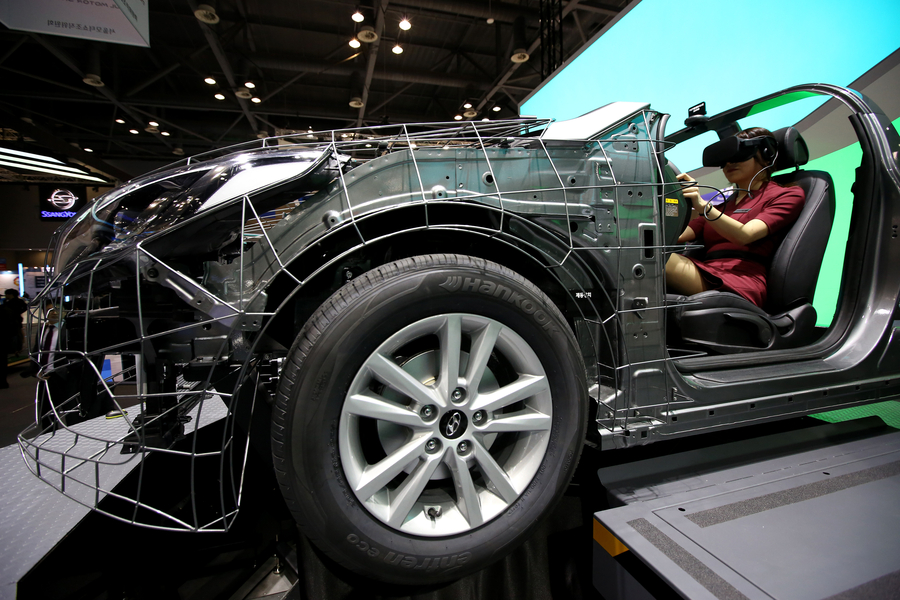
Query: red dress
x,y
776,206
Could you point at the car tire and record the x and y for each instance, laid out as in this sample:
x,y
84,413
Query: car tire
x,y
391,461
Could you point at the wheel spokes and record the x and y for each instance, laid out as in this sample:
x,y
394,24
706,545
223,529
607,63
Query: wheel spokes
x,y
432,391
467,495
482,345
526,420
375,407
494,474
375,477
391,374
404,497
451,343
520,389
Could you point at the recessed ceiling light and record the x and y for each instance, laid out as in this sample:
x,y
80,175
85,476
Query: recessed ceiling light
x,y
358,17
397,49
210,81
87,150
153,124
405,24
165,133
485,119
467,105
134,131
368,145
496,109
255,100
457,118
354,43
120,121
220,96
250,85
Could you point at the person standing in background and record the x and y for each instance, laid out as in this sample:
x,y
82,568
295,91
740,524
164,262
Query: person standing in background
x,y
16,307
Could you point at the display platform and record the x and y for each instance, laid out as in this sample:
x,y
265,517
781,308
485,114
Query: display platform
x,y
35,517
805,514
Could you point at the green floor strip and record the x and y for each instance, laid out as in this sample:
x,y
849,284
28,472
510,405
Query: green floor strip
x,y
889,412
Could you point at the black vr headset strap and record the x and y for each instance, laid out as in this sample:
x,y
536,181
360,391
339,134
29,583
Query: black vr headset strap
x,y
735,149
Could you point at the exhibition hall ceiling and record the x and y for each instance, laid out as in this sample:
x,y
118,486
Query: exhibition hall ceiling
x,y
302,70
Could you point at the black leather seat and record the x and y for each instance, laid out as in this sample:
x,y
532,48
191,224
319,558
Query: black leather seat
x,y
723,322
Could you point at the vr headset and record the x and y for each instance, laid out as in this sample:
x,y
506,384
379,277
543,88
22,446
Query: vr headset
x,y
734,149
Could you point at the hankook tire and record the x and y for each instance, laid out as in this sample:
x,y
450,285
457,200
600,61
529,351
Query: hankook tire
x,y
428,415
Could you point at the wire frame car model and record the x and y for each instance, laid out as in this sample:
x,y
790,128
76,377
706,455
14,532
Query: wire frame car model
x,y
432,320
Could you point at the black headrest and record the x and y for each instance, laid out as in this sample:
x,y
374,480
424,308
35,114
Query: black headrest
x,y
792,150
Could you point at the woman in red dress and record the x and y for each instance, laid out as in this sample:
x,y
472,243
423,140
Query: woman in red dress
x,y
740,236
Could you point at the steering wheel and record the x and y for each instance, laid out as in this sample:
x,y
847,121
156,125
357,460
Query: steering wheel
x,y
677,222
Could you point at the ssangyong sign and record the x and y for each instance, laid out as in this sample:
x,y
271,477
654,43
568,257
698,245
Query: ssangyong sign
x,y
61,202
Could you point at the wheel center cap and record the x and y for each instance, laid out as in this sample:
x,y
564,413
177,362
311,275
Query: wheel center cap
x,y
453,424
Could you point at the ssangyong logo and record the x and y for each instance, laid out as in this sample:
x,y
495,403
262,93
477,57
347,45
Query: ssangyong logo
x,y
63,199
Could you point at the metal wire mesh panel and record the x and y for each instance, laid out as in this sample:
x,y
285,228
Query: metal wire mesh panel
x,y
173,298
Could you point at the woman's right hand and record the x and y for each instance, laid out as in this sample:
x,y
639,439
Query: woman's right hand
x,y
692,193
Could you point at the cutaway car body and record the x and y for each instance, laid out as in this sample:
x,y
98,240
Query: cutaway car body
x,y
433,320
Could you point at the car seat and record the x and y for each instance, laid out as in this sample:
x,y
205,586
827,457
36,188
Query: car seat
x,y
723,322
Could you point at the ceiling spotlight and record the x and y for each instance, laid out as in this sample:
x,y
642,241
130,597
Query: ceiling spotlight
x,y
255,100
356,102
490,20
243,93
165,133
368,145
220,96
358,16
397,49
153,124
405,25
496,108
206,14
467,104
250,85
87,149
354,43
93,80
210,81
520,55
457,118
367,34
120,121
485,119
134,131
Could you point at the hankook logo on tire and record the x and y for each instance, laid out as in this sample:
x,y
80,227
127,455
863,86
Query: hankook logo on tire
x,y
455,283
